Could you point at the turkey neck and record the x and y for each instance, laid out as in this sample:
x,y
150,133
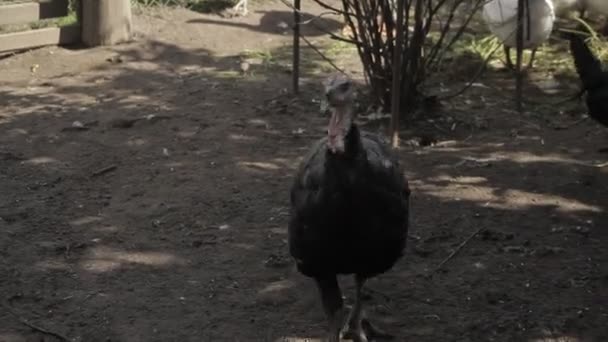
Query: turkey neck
x,y
343,170
352,145
341,130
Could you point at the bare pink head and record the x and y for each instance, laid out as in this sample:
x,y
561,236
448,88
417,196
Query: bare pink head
x,y
340,94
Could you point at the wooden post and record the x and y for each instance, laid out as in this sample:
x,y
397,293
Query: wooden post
x,y
105,22
296,46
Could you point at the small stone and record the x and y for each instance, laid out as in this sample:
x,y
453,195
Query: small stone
x,y
495,297
548,250
584,231
514,249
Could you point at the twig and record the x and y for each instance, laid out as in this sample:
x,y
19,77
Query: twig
x,y
474,78
104,170
318,27
544,104
571,124
327,59
371,291
456,251
32,325
311,20
440,129
333,9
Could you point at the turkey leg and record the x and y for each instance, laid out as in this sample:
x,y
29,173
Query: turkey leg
x,y
509,63
331,297
359,328
354,328
531,62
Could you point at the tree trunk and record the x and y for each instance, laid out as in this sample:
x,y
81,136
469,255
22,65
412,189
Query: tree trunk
x,y
105,22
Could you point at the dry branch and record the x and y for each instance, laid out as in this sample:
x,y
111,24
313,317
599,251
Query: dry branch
x,y
311,22
458,249
104,170
25,322
321,54
393,40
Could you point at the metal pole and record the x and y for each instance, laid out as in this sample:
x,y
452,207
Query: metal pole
x,y
296,46
519,45
396,84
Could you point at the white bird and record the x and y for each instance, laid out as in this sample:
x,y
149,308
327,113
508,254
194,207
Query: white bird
x,y
241,5
501,18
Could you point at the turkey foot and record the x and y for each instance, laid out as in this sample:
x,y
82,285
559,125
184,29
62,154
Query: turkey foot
x,y
355,334
373,332
358,327
354,327
364,331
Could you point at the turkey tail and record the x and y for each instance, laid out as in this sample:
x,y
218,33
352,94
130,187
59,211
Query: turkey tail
x,y
588,67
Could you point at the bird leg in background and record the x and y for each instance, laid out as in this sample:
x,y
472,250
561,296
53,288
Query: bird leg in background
x,y
508,57
354,329
331,297
531,59
242,4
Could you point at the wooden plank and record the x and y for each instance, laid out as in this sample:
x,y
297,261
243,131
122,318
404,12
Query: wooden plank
x,y
36,38
32,11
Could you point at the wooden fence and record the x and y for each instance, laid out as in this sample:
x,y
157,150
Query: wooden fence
x,y
28,12
99,22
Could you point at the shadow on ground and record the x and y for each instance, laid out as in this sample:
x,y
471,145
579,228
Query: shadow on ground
x,y
279,22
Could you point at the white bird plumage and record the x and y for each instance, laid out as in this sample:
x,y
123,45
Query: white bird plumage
x,y
501,18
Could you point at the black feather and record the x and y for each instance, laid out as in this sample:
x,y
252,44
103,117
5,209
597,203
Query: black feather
x,y
588,67
593,78
349,212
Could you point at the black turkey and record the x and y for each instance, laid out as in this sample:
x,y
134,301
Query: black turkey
x,y
349,211
593,78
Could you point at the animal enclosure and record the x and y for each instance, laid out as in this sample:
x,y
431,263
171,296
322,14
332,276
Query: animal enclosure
x,y
144,191
98,22
27,12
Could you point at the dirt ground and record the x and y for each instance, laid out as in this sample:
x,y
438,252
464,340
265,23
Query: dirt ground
x,y
144,196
